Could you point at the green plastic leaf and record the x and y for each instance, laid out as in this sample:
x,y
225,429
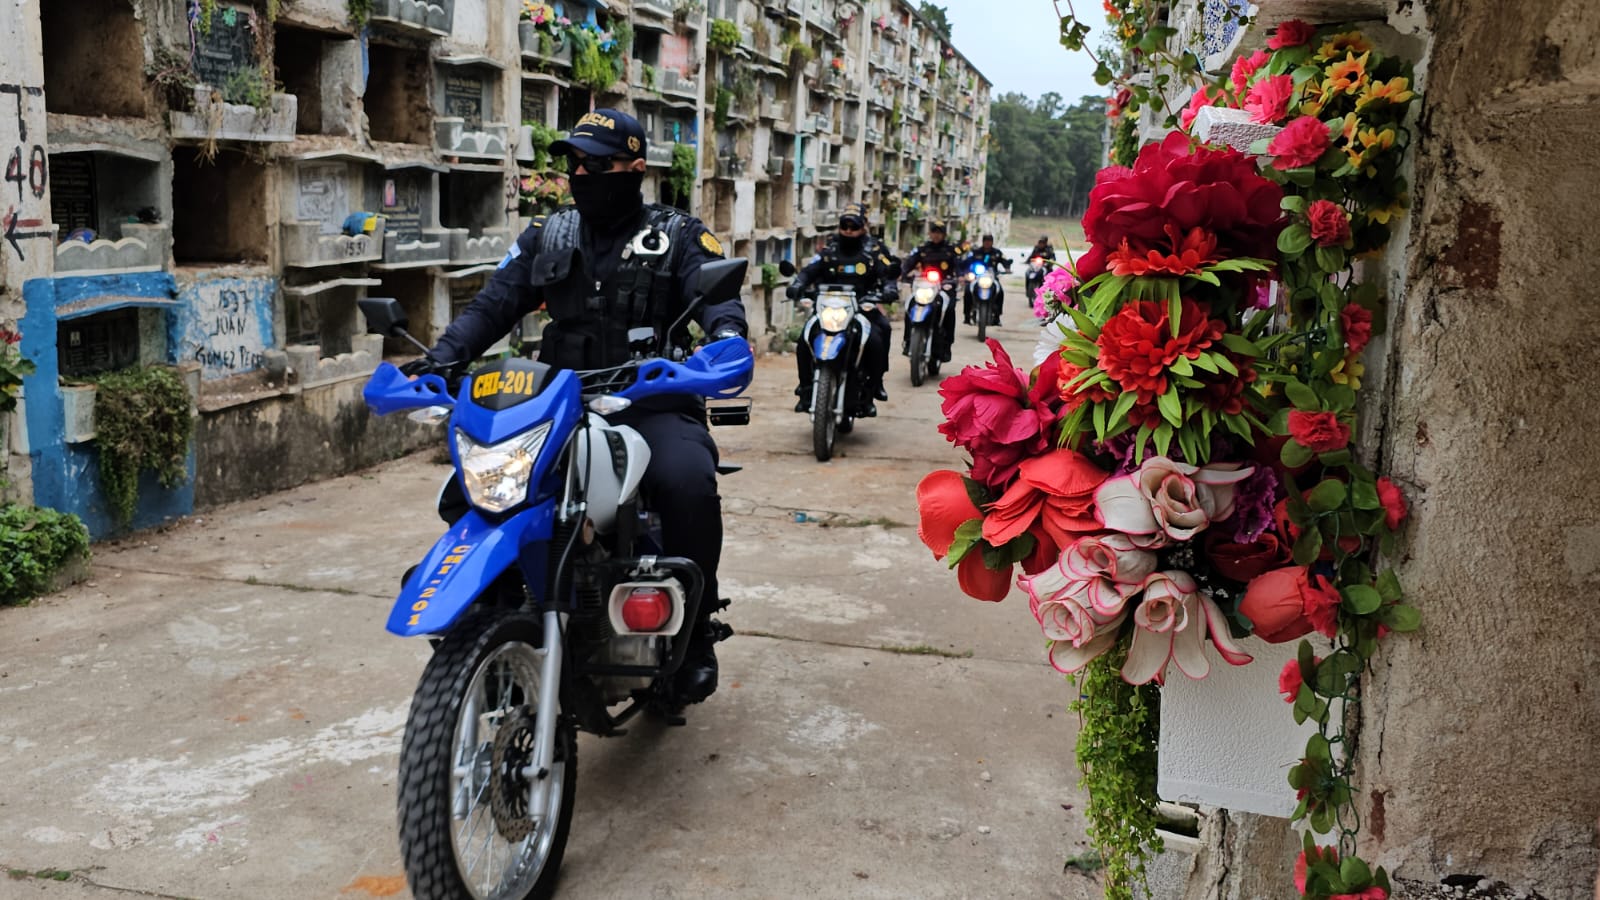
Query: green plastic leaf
x,y
1331,259
1182,366
1340,398
1303,397
1362,600
1354,873
1294,240
1364,494
1401,617
967,536
1327,496
1294,454
1318,749
1293,204
1140,440
1125,402
1389,586
1205,363
1100,421
1170,407
1308,547
1163,436
1240,344
1334,458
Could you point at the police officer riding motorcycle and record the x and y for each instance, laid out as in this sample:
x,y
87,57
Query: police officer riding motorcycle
x,y
983,266
855,258
612,270
935,255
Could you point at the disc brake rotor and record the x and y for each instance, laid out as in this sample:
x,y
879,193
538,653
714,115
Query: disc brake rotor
x,y
508,792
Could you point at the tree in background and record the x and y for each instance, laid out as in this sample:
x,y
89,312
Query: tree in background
x,y
1043,155
937,16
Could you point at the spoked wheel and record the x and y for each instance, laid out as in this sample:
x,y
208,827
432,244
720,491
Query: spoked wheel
x,y
466,830
919,356
822,421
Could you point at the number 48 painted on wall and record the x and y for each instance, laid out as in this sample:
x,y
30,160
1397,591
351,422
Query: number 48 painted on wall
x,y
35,176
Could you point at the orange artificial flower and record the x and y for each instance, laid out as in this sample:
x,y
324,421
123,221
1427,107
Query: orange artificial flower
x,y
1396,90
1189,253
1344,42
1349,75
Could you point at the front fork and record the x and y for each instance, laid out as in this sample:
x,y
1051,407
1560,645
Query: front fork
x,y
540,766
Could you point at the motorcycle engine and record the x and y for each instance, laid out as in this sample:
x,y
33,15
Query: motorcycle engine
x,y
629,650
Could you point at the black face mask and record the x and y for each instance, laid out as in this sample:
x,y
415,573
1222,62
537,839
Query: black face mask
x,y
849,246
607,201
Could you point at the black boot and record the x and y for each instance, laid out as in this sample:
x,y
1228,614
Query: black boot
x,y
697,678
804,403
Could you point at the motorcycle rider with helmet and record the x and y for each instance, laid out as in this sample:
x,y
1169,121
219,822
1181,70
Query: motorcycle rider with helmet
x,y
609,264
853,257
995,260
939,254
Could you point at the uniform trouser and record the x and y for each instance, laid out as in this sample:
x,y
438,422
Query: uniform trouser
x,y
995,301
948,332
681,481
874,357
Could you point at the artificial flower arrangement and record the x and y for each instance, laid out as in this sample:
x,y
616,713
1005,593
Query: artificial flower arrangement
x,y
837,65
1177,473
543,194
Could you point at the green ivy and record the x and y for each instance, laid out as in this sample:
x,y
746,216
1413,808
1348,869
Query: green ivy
x,y
682,173
540,138
36,543
141,421
1125,142
591,67
1117,756
724,35
723,104
360,11
769,276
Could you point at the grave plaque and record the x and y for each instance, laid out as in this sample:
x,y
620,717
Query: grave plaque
x,y
533,107
98,343
463,99
72,192
402,205
228,47
323,195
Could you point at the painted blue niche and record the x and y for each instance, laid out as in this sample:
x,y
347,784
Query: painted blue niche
x,y
67,476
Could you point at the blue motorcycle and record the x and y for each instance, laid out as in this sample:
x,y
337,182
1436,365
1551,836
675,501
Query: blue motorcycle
x,y
548,603
984,296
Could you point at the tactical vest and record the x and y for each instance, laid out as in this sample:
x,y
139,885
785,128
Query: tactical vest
x,y
859,269
939,256
590,318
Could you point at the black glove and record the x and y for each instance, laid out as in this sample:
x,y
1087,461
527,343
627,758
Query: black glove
x,y
794,290
425,365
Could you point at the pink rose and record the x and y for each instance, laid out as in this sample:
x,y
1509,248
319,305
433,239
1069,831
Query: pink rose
x,y
1275,605
1292,33
1107,569
1330,224
1301,143
1171,625
1168,501
1245,66
1059,283
1077,632
1268,100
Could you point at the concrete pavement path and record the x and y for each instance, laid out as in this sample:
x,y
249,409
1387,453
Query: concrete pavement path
x,y
218,712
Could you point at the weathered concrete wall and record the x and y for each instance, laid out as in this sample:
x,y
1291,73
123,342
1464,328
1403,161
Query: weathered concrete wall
x,y
273,444
22,129
1478,733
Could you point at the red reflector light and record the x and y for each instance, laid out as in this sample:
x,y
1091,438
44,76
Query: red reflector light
x,y
932,275
646,609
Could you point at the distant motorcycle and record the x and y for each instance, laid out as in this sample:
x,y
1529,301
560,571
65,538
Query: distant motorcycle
x,y
985,295
837,334
931,296
1034,280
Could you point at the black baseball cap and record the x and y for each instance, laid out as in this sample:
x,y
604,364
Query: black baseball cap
x,y
604,132
853,215
936,226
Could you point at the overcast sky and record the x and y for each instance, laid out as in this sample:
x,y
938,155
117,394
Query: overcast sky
x,y
1016,45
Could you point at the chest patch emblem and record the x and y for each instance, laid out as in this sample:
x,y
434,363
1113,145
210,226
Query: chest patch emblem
x,y
710,243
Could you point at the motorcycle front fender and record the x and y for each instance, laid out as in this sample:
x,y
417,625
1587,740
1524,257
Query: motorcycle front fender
x,y
463,563
825,346
918,312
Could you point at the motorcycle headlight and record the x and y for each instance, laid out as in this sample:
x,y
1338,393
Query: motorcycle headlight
x,y
834,318
986,282
496,476
924,295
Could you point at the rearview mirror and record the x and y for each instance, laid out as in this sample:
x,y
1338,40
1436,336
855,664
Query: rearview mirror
x,y
721,280
787,268
385,315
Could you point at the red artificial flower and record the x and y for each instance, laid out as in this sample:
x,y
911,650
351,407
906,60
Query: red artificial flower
x,y
1274,602
1289,680
1321,605
1327,855
1319,432
1300,143
1292,33
1054,493
1206,96
1136,344
1224,393
943,506
996,416
1268,100
1116,102
1071,396
11,338
1185,187
1371,893
1330,224
1245,66
1394,503
1355,321
1243,562
1189,253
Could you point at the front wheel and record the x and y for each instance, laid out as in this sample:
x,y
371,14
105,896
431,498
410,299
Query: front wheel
x,y
983,320
466,832
919,356
822,413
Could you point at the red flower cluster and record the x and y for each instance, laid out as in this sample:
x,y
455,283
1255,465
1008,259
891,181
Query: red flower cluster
x,y
1300,143
1394,503
1245,66
1292,33
1071,396
9,337
1356,322
1330,224
1319,432
1137,346
1186,253
994,414
1268,100
1175,185
1206,96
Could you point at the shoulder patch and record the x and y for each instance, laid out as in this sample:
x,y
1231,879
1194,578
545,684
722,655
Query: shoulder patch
x,y
710,243
884,259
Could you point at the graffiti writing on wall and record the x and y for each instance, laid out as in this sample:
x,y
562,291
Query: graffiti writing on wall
x,y
225,324
27,172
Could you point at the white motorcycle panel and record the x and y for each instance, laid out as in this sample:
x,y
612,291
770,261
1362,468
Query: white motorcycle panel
x,y
612,460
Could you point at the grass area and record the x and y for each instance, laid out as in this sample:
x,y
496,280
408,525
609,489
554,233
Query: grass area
x,y
1026,229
